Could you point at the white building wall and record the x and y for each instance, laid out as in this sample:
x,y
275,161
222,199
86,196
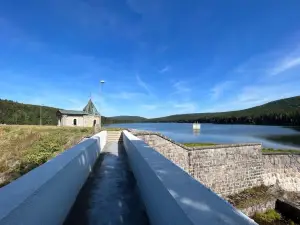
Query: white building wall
x,y
81,121
89,120
68,121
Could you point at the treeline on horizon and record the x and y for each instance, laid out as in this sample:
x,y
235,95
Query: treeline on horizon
x,y
24,114
284,112
281,112
286,119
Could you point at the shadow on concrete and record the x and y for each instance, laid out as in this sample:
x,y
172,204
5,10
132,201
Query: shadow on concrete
x,y
110,195
194,201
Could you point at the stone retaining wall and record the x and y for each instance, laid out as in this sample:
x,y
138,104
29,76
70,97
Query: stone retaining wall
x,y
229,169
177,154
261,208
226,169
282,170
170,195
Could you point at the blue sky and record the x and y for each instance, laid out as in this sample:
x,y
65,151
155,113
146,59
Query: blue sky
x,y
157,57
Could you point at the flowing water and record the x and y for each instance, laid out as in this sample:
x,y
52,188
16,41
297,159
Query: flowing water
x,y
110,195
277,137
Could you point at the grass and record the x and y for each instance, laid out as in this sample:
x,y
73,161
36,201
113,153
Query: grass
x,y
198,144
271,150
23,148
271,217
250,197
264,150
268,217
257,195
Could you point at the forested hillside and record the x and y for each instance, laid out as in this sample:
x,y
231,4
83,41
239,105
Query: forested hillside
x,y
280,112
17,113
126,119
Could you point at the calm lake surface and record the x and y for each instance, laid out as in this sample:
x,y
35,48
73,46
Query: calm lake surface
x,y
270,136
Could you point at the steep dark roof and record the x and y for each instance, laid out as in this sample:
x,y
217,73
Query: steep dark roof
x,y
72,112
90,108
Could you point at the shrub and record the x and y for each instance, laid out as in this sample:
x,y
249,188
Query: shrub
x,y
269,217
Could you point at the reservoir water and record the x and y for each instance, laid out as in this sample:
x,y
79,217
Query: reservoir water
x,y
277,137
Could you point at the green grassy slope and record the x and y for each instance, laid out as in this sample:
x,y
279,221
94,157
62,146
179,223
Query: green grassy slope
x,y
23,148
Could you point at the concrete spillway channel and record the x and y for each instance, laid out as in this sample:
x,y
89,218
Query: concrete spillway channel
x,y
110,195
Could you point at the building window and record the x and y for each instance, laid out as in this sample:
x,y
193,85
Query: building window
x,y
74,122
95,123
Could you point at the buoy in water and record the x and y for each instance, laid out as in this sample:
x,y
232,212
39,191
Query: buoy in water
x,y
196,126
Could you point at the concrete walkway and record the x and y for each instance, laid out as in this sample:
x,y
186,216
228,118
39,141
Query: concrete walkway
x,y
110,196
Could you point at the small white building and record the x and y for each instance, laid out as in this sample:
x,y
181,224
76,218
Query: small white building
x,y
88,117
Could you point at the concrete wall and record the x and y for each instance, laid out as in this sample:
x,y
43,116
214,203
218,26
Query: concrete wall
x,y
226,169
46,194
282,170
170,195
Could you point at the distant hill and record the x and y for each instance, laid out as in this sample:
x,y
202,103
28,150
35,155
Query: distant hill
x,y
280,112
18,113
128,118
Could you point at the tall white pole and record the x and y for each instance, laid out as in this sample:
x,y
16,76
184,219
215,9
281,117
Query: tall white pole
x,y
101,84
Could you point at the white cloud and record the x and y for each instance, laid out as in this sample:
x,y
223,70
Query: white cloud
x,y
162,49
285,65
149,106
256,81
126,95
144,7
256,94
220,88
181,87
270,63
143,85
164,70
185,107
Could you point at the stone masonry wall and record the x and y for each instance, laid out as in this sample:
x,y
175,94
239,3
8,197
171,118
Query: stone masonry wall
x,y
261,207
170,150
227,169
282,170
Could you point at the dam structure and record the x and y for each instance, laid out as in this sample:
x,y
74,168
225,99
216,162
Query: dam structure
x,y
124,177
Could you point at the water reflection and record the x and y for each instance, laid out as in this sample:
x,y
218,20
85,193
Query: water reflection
x,y
270,136
196,132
